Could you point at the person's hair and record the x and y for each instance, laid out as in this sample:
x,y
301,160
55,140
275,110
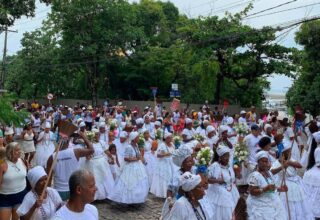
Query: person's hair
x,y
77,178
313,127
311,160
10,148
112,146
263,142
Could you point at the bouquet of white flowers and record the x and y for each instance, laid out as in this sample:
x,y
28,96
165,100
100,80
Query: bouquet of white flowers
x,y
241,153
198,137
241,129
90,135
141,141
159,134
204,158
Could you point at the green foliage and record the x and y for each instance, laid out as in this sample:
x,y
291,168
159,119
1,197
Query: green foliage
x,y
8,115
105,48
306,88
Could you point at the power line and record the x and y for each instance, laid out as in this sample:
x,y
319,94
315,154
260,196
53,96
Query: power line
x,y
268,9
277,12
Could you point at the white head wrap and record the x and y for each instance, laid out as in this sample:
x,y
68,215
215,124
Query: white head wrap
x,y
210,128
180,155
242,112
144,130
102,119
35,174
262,154
79,120
48,125
139,121
82,124
316,136
8,131
133,135
123,134
267,126
188,121
229,120
167,134
222,129
221,150
123,125
158,123
102,124
317,156
187,133
189,181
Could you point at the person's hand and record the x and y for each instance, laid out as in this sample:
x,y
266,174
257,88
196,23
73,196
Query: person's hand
x,y
38,203
283,188
171,202
220,181
270,187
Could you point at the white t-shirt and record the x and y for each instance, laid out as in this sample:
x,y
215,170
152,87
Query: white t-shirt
x,y
252,144
90,212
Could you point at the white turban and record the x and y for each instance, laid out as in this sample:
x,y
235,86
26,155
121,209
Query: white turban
x,y
133,135
82,124
180,155
187,133
158,123
48,125
222,129
221,150
229,120
102,124
267,126
144,130
316,136
262,154
189,181
139,121
35,174
317,156
210,128
188,121
167,134
123,134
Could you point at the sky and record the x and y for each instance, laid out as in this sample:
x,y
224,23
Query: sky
x,y
294,10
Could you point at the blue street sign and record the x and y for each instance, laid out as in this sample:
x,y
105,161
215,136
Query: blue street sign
x,y
171,94
177,93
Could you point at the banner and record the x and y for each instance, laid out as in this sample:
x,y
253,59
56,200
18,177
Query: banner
x,y
175,104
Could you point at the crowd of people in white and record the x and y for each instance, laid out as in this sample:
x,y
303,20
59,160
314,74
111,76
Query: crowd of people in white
x,y
123,155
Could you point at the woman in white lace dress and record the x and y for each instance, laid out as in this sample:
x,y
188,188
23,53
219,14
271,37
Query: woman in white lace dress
x,y
45,146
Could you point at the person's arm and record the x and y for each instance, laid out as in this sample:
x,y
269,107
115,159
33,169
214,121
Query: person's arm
x,y
49,165
3,169
162,155
29,214
213,181
83,152
256,191
295,164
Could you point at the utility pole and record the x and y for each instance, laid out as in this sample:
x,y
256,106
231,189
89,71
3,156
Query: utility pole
x,y
3,70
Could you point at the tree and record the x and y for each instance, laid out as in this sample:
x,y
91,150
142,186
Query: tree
x,y
305,90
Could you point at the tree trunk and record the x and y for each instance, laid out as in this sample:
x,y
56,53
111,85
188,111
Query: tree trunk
x,y
217,94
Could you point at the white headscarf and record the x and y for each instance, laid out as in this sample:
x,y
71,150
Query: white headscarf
x,y
221,150
102,124
229,120
209,129
35,174
222,129
123,134
167,134
262,154
139,121
188,121
133,135
180,155
189,181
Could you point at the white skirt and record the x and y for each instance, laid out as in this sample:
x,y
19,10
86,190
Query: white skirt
x,y
43,152
150,166
100,168
132,186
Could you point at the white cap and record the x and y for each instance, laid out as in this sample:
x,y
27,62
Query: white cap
x,y
79,120
188,121
243,112
229,120
210,128
189,181
8,131
139,121
102,125
221,150
82,124
262,154
158,123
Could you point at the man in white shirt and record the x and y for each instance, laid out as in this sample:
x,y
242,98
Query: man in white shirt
x,y
252,141
242,119
82,188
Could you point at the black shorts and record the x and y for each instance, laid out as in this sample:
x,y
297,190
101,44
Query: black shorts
x,y
12,200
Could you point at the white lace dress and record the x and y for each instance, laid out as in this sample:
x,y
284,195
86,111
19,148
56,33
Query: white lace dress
x,y
44,148
150,159
311,180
